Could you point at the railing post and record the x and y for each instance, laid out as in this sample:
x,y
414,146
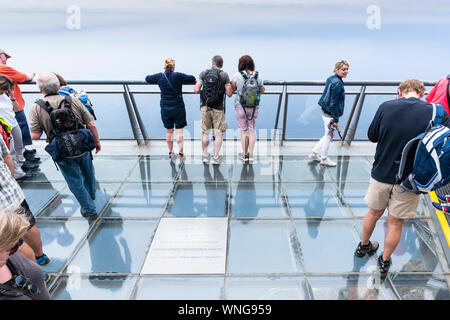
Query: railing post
x,y
355,119
283,135
350,117
134,125
138,117
278,113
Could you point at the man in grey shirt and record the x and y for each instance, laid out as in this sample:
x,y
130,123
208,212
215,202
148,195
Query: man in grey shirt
x,y
213,116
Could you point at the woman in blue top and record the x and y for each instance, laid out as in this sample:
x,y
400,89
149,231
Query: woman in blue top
x,y
332,104
173,112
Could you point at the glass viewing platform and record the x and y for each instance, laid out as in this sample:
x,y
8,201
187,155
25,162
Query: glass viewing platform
x,y
280,228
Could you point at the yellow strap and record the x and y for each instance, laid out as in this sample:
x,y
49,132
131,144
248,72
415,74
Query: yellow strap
x,y
441,217
6,123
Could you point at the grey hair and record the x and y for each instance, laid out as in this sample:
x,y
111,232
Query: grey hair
x,y
218,61
48,82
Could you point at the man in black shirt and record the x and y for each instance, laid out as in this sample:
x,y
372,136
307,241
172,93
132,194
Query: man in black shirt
x,y
395,123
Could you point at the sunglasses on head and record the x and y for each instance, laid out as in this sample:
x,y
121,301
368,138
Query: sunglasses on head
x,y
16,247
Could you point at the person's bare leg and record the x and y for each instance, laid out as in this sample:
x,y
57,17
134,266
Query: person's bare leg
x,y
180,140
33,239
370,220
169,139
27,252
251,140
392,237
244,141
217,144
205,143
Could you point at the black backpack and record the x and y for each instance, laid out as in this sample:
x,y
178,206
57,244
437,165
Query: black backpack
x,y
212,91
65,127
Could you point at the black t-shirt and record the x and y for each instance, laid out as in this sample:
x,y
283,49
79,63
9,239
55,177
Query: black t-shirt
x,y
395,123
19,265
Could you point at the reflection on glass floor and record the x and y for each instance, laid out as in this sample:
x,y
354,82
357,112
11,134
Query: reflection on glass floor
x,y
292,230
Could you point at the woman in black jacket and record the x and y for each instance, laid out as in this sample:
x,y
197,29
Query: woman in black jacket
x,y
173,113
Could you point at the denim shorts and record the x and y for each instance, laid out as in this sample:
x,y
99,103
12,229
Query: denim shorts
x,y
173,116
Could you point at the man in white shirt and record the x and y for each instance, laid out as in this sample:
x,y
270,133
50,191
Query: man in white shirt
x,y
8,105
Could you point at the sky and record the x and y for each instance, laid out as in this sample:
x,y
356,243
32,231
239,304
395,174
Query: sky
x,y
288,39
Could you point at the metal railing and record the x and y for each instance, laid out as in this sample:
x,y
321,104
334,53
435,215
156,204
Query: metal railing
x,y
140,132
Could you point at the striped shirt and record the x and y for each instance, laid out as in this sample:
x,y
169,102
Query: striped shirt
x,y
11,195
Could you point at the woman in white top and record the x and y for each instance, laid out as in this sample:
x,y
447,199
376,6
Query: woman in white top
x,y
248,85
8,105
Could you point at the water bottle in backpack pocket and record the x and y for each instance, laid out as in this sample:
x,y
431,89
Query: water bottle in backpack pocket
x,y
431,168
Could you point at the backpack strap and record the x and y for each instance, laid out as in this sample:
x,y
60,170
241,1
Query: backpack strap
x,y
404,157
67,103
44,105
170,84
438,114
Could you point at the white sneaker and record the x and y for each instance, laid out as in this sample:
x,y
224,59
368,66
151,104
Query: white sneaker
x,y
206,159
313,156
250,157
242,157
328,162
217,160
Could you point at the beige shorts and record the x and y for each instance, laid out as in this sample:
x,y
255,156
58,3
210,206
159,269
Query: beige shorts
x,y
401,204
213,118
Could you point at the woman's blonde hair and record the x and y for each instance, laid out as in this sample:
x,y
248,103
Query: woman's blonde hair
x,y
169,64
339,65
13,225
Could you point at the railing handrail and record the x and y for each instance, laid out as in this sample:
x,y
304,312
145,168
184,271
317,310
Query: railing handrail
x,y
375,83
140,132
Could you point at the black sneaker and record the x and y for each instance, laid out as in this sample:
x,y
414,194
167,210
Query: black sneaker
x,y
43,260
31,158
91,216
384,266
30,151
29,166
369,249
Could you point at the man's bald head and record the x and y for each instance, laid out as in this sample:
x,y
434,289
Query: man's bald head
x,y
47,82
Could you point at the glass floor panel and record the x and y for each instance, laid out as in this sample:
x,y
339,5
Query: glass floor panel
x,y
180,287
292,228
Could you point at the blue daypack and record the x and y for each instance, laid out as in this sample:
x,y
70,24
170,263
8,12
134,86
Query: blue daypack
x,y
80,95
431,169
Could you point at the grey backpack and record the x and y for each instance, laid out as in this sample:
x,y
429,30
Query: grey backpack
x,y
251,93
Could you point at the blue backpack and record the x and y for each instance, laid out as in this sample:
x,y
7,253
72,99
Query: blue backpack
x,y
80,95
431,169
